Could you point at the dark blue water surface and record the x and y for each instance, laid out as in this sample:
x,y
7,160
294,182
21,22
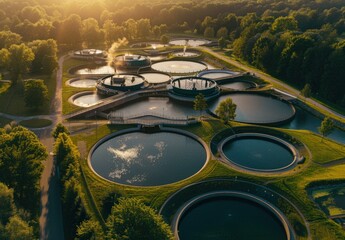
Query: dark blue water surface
x,y
255,108
221,218
161,106
307,121
144,159
257,153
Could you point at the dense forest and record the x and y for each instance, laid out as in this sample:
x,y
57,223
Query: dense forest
x,y
301,42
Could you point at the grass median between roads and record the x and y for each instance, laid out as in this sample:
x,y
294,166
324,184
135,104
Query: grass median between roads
x,y
35,123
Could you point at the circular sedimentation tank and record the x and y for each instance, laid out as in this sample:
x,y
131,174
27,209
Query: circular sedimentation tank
x,y
237,85
179,67
86,99
230,215
147,159
258,152
156,78
192,86
92,70
217,73
189,42
82,82
131,61
155,106
186,54
89,53
121,82
258,108
153,45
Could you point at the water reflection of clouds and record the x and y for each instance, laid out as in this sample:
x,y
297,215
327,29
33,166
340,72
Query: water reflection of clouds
x,y
125,157
126,154
160,146
137,178
117,173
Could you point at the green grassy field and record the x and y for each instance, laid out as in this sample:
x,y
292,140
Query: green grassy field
x,y
35,123
12,97
291,184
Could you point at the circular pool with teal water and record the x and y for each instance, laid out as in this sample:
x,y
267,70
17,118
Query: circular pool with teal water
x,y
258,152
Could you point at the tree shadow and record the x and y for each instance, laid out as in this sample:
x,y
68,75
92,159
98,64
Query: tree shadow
x,y
51,221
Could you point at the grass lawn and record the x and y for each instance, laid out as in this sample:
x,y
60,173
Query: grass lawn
x,y
292,184
35,123
12,98
4,86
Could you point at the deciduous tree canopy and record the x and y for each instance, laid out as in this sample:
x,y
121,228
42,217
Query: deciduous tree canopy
x,y
21,166
131,219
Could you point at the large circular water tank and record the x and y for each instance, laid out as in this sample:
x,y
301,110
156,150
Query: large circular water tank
x,y
131,61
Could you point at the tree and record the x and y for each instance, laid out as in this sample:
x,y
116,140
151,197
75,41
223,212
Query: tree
x,y
91,32
226,110
72,206
21,166
327,126
208,22
209,32
60,128
20,60
222,43
7,38
264,54
131,219
332,83
66,152
33,14
131,29
156,30
4,58
18,229
200,103
222,32
144,28
45,56
282,24
35,93
306,91
70,31
165,39
112,32
6,203
90,230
